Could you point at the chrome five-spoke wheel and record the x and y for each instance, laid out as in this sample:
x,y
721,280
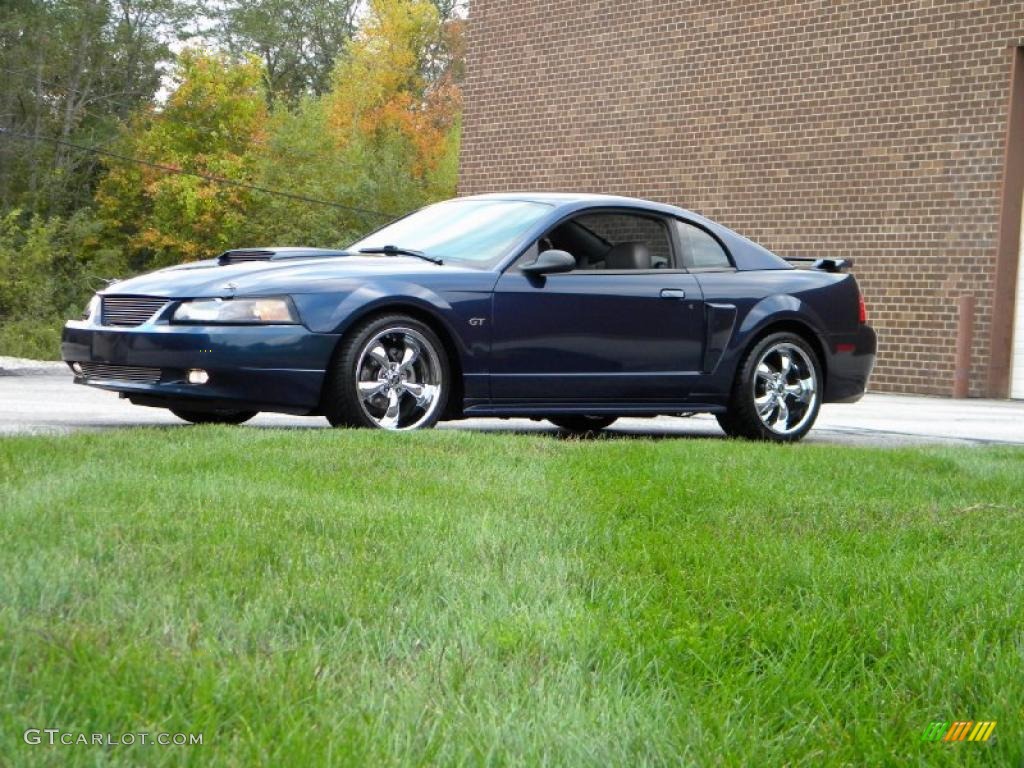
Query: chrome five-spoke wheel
x,y
398,378
785,388
777,391
391,373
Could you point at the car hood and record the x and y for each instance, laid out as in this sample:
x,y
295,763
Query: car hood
x,y
262,278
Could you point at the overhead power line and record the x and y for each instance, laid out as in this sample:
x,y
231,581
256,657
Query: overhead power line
x,y
206,177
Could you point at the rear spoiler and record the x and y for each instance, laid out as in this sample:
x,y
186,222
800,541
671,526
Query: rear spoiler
x,y
825,265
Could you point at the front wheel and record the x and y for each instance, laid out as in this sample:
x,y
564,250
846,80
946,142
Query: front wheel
x,y
213,417
776,396
390,373
582,425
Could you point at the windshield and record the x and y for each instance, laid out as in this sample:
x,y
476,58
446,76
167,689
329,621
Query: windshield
x,y
478,232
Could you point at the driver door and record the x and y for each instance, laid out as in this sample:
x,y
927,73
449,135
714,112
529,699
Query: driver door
x,y
626,325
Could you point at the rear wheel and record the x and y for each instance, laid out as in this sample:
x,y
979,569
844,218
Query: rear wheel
x,y
776,396
582,425
213,417
390,373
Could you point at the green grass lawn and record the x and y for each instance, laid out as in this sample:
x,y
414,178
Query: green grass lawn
x,y
312,597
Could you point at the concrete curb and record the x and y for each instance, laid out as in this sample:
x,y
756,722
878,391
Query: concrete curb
x,y
19,366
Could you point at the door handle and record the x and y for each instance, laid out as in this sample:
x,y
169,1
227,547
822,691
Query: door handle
x,y
673,293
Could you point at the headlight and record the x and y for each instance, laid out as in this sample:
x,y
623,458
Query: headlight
x,y
235,311
92,309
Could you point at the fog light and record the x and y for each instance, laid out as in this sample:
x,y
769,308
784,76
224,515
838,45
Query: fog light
x,y
198,376
77,368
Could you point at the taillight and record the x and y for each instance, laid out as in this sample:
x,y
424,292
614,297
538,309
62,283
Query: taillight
x,y
862,309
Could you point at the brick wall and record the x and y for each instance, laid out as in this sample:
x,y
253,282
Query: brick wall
x,y
873,130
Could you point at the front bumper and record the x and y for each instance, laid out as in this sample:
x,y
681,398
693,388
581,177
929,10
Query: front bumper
x,y
266,368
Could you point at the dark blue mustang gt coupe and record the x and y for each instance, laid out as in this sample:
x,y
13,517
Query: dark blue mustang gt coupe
x,y
573,308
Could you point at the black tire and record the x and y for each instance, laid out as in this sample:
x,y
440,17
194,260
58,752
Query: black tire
x,y
582,425
743,419
354,365
213,417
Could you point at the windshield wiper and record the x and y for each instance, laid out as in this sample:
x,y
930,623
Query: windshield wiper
x,y
394,250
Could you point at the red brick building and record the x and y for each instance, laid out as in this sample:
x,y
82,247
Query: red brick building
x,y
889,132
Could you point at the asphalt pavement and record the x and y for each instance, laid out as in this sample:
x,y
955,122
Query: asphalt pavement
x,y
43,399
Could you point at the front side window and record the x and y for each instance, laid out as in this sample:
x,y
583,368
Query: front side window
x,y
612,241
476,232
700,249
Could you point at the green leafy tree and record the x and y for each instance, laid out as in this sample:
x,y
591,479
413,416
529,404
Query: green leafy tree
x,y
72,71
48,270
298,41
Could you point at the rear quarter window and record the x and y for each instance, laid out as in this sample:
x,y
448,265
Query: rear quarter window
x,y
700,249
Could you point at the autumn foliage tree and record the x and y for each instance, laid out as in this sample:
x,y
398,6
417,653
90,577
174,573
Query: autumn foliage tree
x,y
213,125
387,110
384,138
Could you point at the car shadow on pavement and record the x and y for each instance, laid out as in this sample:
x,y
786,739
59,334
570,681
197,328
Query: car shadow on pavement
x,y
607,434
549,432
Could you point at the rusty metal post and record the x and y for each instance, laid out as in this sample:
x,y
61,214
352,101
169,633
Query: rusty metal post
x,y
964,342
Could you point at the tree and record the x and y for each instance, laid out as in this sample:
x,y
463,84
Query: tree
x,y
298,41
385,137
73,70
451,9
212,125
292,99
48,269
393,110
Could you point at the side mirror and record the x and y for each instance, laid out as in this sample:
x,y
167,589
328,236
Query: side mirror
x,y
549,263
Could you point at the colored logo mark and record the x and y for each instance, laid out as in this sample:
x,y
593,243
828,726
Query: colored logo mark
x,y
961,730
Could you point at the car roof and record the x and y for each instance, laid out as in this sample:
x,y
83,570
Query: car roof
x,y
747,255
577,199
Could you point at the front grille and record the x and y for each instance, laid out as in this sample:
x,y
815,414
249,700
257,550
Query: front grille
x,y
131,373
130,310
